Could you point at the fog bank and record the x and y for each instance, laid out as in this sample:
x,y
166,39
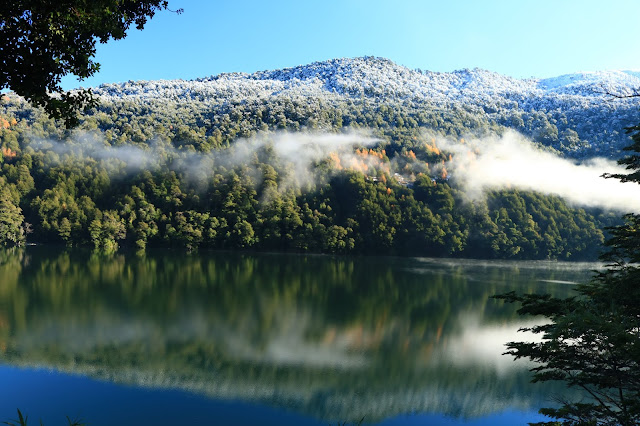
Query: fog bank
x,y
512,161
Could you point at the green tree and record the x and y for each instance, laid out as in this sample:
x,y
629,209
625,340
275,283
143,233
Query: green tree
x,y
592,340
11,219
43,40
105,232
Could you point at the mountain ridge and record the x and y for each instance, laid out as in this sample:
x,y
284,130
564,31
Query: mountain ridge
x,y
575,114
333,74
152,149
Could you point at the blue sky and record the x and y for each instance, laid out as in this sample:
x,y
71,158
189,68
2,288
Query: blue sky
x,y
520,38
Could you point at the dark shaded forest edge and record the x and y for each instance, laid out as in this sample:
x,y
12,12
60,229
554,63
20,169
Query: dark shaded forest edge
x,y
58,186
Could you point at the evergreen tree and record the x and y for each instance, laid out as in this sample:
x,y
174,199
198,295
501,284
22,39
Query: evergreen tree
x,y
592,340
11,219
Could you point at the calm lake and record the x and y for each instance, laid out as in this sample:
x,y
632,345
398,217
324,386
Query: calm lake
x,y
169,338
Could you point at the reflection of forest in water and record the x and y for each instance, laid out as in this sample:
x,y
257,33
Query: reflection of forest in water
x,y
337,338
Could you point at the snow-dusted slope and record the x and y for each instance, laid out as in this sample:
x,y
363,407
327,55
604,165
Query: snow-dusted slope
x,y
376,77
575,113
368,77
592,83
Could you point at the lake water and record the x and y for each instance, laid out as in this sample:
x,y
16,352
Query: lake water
x,y
170,338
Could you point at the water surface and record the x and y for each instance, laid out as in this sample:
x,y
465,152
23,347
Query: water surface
x,y
174,338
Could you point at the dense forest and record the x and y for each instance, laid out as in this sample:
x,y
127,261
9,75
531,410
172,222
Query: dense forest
x,y
165,173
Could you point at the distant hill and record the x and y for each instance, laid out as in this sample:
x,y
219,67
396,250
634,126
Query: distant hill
x,y
342,156
576,114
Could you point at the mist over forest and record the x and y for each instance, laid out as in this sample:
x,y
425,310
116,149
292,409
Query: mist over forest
x,y
344,156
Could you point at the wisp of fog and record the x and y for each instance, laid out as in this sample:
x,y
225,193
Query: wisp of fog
x,y
512,161
477,165
295,155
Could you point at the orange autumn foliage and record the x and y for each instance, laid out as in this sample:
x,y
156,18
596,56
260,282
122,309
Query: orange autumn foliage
x,y
444,173
410,154
365,153
5,124
336,160
8,153
432,148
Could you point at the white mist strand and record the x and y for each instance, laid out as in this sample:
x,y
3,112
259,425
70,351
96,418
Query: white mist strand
x,y
513,161
478,165
298,152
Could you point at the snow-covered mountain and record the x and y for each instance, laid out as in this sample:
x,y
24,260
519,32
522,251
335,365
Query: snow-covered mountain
x,y
601,83
381,78
575,113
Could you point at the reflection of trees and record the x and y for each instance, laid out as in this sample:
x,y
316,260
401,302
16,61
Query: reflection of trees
x,y
332,336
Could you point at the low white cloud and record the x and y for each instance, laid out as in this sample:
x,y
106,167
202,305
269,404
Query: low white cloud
x,y
294,155
512,161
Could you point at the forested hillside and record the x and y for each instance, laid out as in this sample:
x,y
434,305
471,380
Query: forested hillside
x,y
335,157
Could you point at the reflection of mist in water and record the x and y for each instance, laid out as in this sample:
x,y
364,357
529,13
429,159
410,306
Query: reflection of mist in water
x,y
482,346
283,344
559,282
538,265
287,345
333,337
500,272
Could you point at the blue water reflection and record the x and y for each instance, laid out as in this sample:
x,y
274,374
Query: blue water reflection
x,y
218,338
50,396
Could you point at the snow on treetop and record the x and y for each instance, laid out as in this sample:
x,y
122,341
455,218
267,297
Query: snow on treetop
x,y
593,83
572,113
382,80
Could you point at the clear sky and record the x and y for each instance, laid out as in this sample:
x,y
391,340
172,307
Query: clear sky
x,y
520,38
